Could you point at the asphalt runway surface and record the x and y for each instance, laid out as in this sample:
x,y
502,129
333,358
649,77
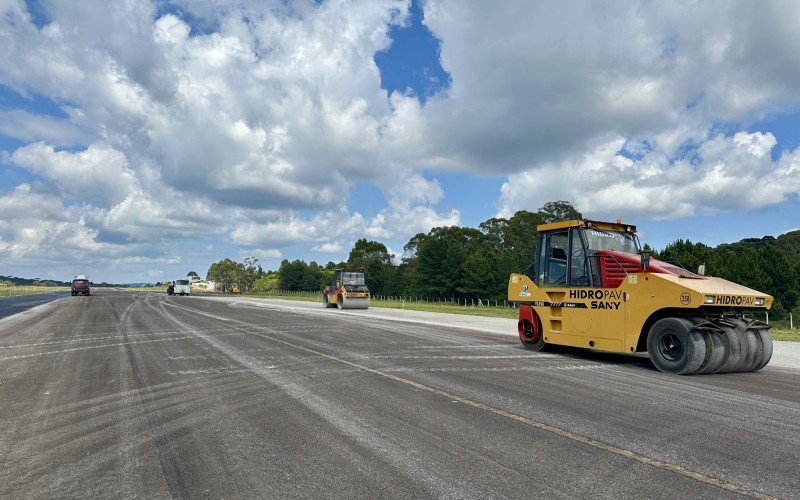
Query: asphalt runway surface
x,y
124,395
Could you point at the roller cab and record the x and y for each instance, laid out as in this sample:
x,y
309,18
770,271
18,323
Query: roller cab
x,y
592,286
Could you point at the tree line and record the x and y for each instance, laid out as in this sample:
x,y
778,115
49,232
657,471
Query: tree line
x,y
450,263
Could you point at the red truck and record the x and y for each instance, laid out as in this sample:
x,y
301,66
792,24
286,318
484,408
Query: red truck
x,y
81,285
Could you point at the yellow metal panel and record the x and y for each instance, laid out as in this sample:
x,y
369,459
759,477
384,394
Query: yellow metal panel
x,y
559,225
614,317
606,226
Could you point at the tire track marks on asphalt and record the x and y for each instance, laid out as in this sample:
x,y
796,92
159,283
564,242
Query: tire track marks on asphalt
x,y
169,467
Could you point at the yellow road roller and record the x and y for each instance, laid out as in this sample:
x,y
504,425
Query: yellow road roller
x,y
347,291
592,286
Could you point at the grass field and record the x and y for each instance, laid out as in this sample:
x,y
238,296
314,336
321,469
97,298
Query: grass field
x,y
11,291
793,335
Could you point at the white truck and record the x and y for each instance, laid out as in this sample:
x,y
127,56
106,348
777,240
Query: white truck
x,y
181,287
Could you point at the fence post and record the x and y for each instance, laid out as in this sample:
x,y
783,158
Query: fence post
x,y
791,322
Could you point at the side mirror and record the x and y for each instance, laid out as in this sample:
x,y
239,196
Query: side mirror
x,y
646,254
701,270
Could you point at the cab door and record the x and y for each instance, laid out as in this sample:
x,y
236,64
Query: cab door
x,y
551,277
577,314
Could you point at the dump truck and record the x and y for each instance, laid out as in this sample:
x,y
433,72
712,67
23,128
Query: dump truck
x,y
347,291
592,286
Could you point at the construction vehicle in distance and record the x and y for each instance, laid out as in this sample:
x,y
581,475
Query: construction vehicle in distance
x,y
592,286
347,291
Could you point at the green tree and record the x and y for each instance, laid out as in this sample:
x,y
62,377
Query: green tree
x,y
688,255
225,273
557,211
375,260
364,252
440,257
268,282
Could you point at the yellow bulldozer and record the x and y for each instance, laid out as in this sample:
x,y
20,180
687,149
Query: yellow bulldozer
x,y
592,286
347,291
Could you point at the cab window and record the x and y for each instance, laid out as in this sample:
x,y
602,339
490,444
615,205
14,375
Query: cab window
x,y
553,258
578,264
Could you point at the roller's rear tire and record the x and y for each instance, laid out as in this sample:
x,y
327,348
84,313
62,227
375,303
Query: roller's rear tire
x,y
531,334
674,347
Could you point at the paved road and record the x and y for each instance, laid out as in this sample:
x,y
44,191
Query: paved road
x,y
18,303
141,395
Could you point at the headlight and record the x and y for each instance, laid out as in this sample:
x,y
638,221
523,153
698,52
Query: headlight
x,y
709,299
759,301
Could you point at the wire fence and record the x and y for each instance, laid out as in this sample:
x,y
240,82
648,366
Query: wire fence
x,y
419,299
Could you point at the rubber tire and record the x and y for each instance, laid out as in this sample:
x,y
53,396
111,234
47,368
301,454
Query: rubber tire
x,y
766,347
527,335
754,350
735,352
715,353
694,346
750,352
732,350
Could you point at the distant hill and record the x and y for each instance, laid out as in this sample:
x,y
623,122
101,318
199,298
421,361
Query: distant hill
x,y
36,282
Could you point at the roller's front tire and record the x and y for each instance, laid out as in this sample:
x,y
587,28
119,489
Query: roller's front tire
x,y
766,348
674,347
715,353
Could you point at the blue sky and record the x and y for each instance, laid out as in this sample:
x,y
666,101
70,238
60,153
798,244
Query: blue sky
x,y
140,142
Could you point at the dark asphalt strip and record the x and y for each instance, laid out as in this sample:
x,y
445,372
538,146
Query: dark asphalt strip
x,y
172,475
19,303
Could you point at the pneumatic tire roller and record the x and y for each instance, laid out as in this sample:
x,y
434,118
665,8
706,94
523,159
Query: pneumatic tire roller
x,y
593,287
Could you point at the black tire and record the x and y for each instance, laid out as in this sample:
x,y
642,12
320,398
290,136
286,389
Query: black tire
x,y
750,347
754,350
531,336
733,350
764,338
674,347
715,353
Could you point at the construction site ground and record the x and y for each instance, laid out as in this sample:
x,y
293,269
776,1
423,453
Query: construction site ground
x,y
142,395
